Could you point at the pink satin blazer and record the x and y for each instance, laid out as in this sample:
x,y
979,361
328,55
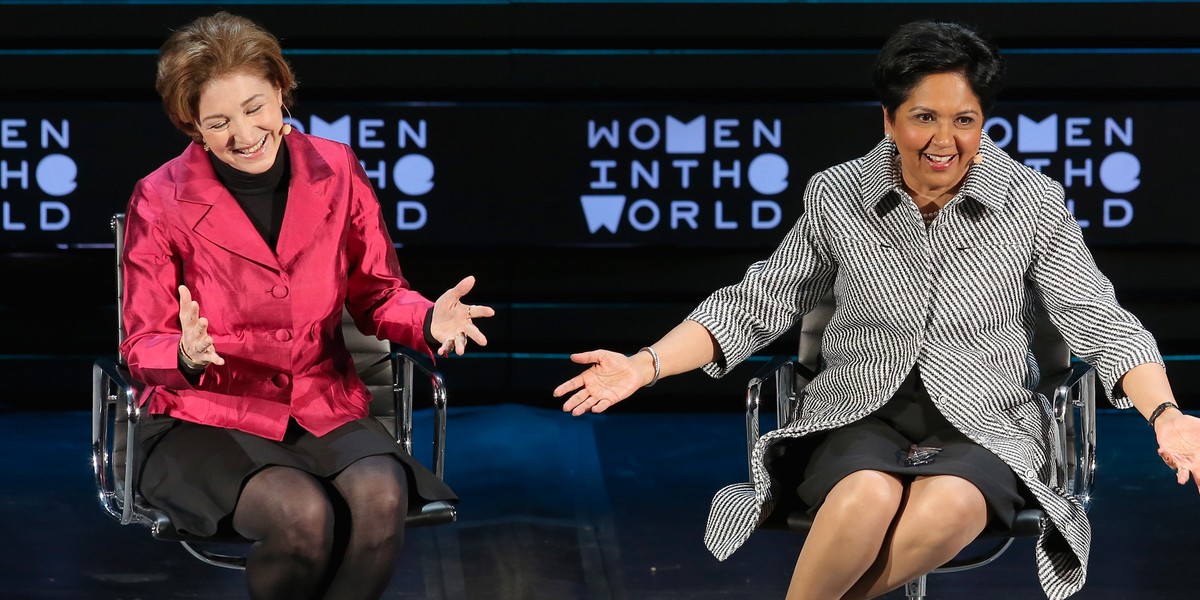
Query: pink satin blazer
x,y
274,316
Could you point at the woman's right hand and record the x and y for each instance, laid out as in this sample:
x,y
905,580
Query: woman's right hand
x,y
611,378
196,344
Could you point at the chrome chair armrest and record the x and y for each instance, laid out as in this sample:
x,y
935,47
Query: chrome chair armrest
x,y
783,370
1074,406
113,390
405,362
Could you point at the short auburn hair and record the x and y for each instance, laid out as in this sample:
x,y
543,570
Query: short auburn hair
x,y
213,47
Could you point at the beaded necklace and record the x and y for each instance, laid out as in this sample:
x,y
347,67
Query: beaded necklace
x,y
928,217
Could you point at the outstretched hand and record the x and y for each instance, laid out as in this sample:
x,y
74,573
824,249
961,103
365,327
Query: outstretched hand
x,y
195,343
452,325
1179,445
611,378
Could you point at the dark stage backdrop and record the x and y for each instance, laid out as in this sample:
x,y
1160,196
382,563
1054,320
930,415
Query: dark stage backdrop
x,y
599,166
579,174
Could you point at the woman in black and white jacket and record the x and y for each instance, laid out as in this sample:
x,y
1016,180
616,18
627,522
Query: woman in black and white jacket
x,y
938,248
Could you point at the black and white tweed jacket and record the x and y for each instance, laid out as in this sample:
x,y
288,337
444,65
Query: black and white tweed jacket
x,y
958,299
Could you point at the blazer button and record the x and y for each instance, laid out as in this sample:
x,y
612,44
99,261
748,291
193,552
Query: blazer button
x,y
281,380
279,291
283,335
1031,474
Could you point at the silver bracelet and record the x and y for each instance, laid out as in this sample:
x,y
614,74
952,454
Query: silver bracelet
x,y
657,365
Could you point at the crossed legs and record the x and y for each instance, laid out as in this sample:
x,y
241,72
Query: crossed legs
x,y
874,533
316,543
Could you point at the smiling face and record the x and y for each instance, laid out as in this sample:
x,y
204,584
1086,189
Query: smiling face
x,y
937,131
241,116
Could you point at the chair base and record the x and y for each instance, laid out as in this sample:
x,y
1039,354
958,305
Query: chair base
x,y
915,589
225,561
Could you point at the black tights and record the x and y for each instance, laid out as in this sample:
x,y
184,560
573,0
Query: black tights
x,y
315,539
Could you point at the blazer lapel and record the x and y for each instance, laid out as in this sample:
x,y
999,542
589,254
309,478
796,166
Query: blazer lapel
x,y
213,214
308,202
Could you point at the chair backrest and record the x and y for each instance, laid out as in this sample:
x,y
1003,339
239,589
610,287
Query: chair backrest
x,y
120,429
117,223
369,353
1048,347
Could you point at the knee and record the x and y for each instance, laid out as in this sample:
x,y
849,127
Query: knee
x,y
865,495
304,531
952,518
378,493
286,510
378,517
382,511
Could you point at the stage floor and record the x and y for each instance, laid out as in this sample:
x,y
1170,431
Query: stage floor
x,y
604,507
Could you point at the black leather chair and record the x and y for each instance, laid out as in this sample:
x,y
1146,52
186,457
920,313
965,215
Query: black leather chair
x,y
388,372
1070,386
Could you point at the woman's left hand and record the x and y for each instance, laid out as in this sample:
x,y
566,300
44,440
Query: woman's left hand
x,y
1179,444
452,323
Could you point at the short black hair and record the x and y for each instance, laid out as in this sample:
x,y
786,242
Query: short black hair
x,y
923,48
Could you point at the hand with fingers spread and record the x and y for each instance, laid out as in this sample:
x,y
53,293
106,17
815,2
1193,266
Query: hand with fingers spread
x,y
196,347
614,377
452,321
1179,444
611,378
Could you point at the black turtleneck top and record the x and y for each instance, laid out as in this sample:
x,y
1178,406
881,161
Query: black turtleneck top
x,y
263,196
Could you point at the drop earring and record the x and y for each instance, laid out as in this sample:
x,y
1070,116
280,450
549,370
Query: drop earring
x,y
287,127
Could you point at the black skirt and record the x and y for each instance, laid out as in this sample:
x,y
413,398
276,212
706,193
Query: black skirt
x,y
884,440
195,473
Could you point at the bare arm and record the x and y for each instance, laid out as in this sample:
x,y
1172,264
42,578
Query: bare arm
x,y
613,377
687,347
1147,387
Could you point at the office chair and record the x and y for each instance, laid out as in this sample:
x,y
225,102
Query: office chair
x,y
1070,386
117,460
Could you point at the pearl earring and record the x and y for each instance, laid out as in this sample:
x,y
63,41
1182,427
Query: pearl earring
x,y
287,127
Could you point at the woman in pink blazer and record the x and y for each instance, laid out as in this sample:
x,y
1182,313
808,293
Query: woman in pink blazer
x,y
240,255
